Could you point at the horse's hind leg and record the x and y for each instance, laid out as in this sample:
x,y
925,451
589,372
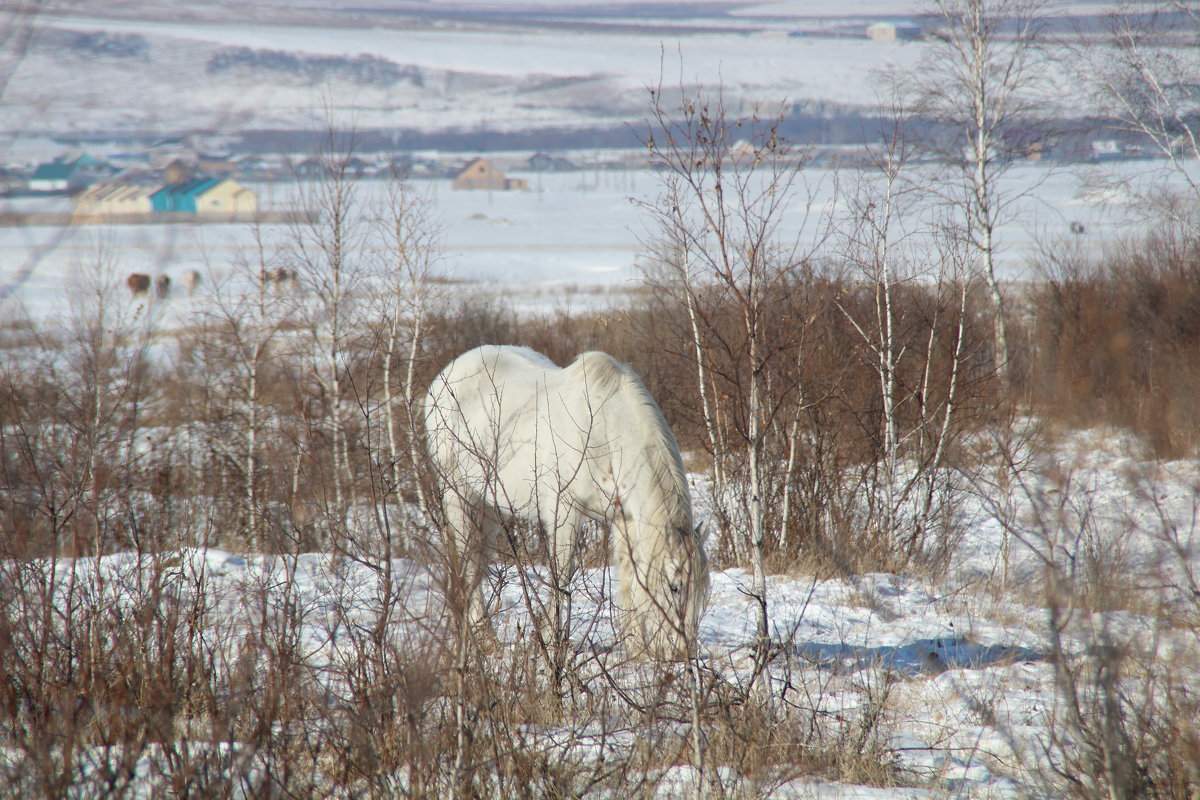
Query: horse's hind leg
x,y
562,571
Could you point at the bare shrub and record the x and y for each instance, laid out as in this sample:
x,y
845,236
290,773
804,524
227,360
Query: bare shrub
x,y
1121,631
983,82
1118,339
168,667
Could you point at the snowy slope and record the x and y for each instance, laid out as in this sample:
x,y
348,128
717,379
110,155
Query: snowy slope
x,y
490,73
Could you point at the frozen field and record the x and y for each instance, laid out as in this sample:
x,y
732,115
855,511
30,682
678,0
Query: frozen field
x,y
488,72
572,234
471,75
1059,632
954,669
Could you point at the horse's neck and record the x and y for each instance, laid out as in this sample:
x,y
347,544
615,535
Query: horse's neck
x,y
656,492
628,428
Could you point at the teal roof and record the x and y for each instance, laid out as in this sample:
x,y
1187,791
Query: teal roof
x,y
181,196
193,188
54,171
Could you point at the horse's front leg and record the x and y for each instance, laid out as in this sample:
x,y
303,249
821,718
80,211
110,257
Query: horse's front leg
x,y
562,570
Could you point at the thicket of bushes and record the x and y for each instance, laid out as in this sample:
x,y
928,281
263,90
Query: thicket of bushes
x,y
1117,342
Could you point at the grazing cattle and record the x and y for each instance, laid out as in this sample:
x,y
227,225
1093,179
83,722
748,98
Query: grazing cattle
x,y
514,436
191,279
278,277
138,283
162,286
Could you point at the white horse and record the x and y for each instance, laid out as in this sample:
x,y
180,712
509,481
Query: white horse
x,y
515,437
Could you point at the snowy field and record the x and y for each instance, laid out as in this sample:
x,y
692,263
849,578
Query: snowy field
x,y
496,73
498,79
1074,552
572,238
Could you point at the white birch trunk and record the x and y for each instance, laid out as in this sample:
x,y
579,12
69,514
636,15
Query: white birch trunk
x,y
415,425
762,677
716,442
252,453
389,401
887,360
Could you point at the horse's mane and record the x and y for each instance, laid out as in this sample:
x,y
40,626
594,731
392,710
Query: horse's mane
x,y
605,377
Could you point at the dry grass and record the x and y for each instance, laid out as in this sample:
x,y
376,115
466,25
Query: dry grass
x,y
1118,342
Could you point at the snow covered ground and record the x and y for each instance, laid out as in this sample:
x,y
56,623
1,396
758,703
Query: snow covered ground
x,y
495,78
960,665
506,69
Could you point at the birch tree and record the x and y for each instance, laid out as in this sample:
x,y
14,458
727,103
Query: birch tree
x,y
411,249
918,393
981,84
327,251
1144,76
245,322
725,186
105,369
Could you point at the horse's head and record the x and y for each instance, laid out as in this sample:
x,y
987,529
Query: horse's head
x,y
667,593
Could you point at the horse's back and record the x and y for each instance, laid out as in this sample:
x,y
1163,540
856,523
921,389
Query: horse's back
x,y
475,408
490,367
595,371
510,417
472,387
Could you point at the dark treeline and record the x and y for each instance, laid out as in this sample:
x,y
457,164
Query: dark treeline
x,y
1063,139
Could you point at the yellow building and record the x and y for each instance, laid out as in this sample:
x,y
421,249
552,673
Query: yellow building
x,y
226,197
893,32
113,200
204,197
482,174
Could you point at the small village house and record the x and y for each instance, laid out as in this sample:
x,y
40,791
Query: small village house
x,y
310,169
52,177
212,197
179,170
113,201
221,165
1106,150
205,197
482,174
65,174
543,162
257,167
893,32
227,197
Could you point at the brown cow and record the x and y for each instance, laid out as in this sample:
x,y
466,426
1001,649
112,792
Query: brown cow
x,y
279,277
138,283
